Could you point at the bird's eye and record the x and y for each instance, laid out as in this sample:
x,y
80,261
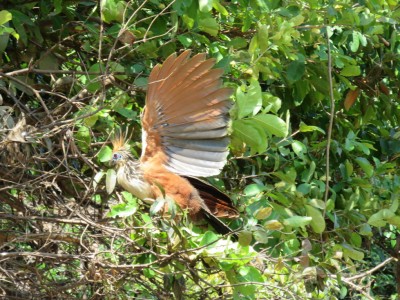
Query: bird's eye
x,y
116,156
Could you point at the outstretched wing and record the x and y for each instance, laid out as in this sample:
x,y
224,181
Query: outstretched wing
x,y
185,123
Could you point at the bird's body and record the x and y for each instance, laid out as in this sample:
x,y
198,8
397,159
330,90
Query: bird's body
x,y
185,127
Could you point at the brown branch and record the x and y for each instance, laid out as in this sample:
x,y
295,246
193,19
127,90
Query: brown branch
x,y
68,72
45,219
34,91
6,255
369,272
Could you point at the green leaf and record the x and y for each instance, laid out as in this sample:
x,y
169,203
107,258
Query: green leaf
x,y
365,165
242,275
112,10
83,138
395,205
123,210
111,180
263,213
263,37
295,71
355,43
117,68
57,6
105,154
209,25
377,219
299,148
93,80
208,238
395,221
273,225
351,252
97,178
185,40
238,43
356,239
205,5
318,221
271,103
127,113
351,70
91,120
20,21
220,8
245,131
253,189
307,174
307,128
297,221
157,206
249,102
272,124
5,16
261,235
365,229
245,237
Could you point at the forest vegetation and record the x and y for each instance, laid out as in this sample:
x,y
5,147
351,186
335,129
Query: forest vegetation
x,y
313,165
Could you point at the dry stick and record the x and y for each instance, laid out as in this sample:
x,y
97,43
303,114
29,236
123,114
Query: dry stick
x,y
45,219
332,114
369,272
33,90
63,72
358,288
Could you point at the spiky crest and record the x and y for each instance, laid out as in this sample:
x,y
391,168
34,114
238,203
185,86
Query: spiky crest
x,y
120,142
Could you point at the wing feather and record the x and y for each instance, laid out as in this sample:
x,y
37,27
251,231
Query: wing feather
x,y
185,123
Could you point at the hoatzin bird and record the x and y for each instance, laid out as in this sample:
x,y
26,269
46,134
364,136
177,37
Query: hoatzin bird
x,y
184,135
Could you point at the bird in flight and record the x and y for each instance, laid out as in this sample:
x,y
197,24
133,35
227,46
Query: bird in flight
x,y
184,136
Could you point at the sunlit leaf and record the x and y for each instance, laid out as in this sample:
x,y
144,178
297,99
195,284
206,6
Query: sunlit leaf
x,y
318,221
253,189
272,124
297,221
351,70
308,128
273,225
263,213
246,132
123,210
97,178
5,16
250,101
111,180
205,5
105,154
209,25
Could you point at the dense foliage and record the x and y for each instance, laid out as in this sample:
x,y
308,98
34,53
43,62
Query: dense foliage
x,y
314,164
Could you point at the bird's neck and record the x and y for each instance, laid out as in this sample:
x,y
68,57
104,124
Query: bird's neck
x,y
130,177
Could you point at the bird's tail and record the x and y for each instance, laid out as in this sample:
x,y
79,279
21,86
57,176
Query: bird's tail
x,y
217,224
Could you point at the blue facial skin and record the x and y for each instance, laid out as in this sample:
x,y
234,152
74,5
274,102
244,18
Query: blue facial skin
x,y
116,157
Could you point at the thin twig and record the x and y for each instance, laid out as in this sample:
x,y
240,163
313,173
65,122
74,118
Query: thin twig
x,y
331,119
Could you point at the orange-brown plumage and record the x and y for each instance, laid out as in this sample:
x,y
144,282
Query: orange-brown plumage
x,y
185,128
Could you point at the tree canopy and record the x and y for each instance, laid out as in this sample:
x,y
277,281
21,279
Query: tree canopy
x,y
313,165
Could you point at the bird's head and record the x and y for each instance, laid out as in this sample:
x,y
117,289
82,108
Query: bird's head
x,y
121,153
